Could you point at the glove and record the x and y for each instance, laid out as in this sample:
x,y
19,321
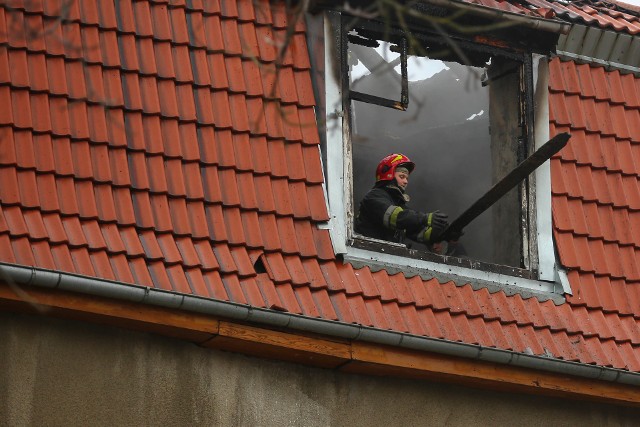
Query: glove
x,y
435,223
437,220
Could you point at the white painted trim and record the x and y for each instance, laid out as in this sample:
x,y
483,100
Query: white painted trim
x,y
544,220
445,272
335,146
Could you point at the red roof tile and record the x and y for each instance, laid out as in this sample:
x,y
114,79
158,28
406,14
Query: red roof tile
x,y
288,298
160,148
179,216
314,274
215,222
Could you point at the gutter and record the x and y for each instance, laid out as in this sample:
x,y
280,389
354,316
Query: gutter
x,y
538,23
549,25
30,276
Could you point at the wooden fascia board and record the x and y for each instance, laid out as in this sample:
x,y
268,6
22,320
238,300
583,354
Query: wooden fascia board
x,y
201,329
256,341
372,359
193,327
346,356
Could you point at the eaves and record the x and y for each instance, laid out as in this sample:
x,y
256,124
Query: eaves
x,y
320,342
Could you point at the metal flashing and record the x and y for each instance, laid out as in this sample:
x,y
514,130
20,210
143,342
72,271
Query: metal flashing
x,y
603,47
542,176
478,279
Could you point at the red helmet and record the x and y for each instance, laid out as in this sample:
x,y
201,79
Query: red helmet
x,y
387,166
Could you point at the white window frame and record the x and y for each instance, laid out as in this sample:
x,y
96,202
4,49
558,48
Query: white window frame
x,y
551,281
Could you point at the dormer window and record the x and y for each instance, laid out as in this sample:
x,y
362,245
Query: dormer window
x,y
459,111
462,108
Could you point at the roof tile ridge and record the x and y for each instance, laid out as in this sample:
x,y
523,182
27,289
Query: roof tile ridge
x,y
287,296
488,309
419,306
384,287
21,221
564,315
619,10
553,318
519,310
537,317
587,198
297,272
603,14
571,12
614,294
624,20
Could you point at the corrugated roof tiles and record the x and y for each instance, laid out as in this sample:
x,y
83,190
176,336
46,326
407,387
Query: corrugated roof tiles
x,y
165,148
616,16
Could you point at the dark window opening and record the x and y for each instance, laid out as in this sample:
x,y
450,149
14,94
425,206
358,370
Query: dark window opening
x,y
459,112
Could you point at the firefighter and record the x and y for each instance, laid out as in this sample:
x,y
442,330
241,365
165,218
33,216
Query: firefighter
x,y
384,213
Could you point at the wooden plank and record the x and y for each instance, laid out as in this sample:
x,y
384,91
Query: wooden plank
x,y
280,345
511,180
141,317
384,360
373,99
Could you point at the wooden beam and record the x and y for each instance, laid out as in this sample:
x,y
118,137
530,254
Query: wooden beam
x,y
145,318
296,348
385,360
507,183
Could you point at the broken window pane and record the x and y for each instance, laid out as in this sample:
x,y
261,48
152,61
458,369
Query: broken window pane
x,y
462,129
372,64
377,70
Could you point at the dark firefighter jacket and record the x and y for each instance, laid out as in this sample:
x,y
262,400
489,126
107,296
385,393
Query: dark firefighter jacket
x,y
383,215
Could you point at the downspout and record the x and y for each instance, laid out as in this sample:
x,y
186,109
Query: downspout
x,y
30,276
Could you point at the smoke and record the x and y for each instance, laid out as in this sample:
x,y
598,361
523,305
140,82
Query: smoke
x,y
445,132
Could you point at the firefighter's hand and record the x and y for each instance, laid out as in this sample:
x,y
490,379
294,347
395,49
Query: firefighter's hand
x,y
437,221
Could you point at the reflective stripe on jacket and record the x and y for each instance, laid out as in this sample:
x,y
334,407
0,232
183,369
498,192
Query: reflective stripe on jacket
x,y
384,215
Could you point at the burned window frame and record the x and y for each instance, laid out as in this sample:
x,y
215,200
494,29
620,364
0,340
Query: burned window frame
x,y
525,118
336,151
355,95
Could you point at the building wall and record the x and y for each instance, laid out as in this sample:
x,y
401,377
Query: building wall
x,y
58,372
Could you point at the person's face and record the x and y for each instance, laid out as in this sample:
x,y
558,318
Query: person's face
x,y
402,178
